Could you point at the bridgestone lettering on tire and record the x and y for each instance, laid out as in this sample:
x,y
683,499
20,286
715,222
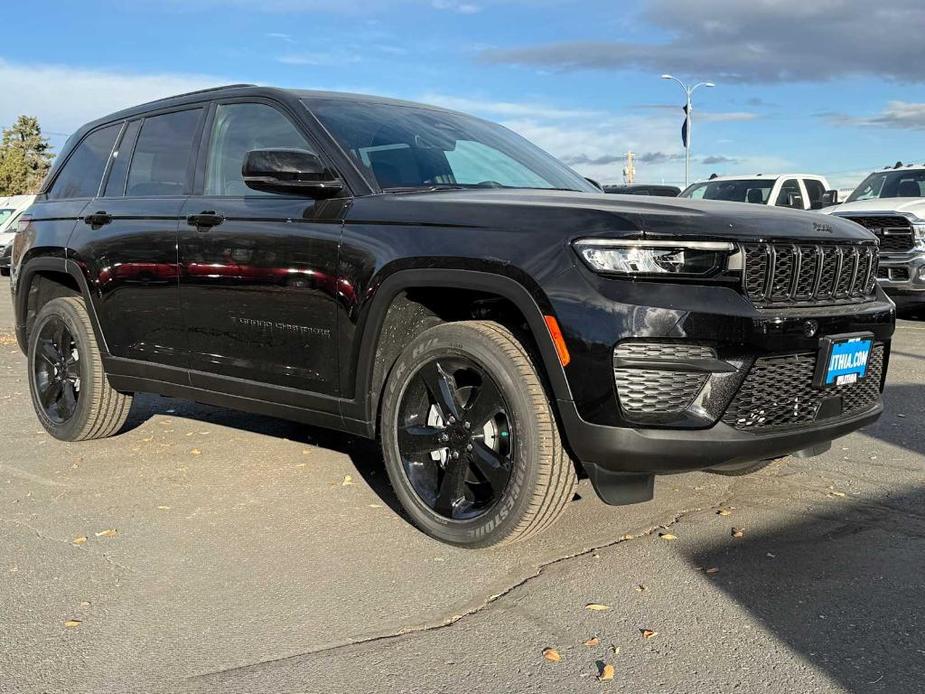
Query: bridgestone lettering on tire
x,y
464,409
70,393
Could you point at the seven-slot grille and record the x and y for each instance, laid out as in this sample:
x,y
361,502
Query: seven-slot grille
x,y
894,232
778,393
800,273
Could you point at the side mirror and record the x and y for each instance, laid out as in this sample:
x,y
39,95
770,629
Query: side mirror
x,y
293,171
829,198
795,200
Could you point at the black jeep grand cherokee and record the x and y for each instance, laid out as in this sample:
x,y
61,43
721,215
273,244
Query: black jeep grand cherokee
x,y
409,273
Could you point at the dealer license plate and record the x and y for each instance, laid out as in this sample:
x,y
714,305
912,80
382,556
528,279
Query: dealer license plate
x,y
844,359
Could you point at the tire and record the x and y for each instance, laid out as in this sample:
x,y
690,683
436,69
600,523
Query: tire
x,y
541,477
745,470
88,408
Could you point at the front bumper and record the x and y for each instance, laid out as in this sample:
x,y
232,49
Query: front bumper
x,y
902,277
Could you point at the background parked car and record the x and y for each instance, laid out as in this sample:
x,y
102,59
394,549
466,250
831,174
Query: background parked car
x,y
795,190
10,210
644,189
891,203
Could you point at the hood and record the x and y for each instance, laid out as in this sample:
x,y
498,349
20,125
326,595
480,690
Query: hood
x,y
882,205
592,214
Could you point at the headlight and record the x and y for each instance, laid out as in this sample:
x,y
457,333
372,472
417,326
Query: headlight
x,y
641,258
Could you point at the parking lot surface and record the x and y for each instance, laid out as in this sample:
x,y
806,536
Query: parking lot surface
x,y
206,550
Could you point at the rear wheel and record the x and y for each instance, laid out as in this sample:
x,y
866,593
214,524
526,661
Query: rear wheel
x,y
70,393
469,439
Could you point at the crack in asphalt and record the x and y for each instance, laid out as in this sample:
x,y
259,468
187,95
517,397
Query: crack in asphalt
x,y
42,536
487,603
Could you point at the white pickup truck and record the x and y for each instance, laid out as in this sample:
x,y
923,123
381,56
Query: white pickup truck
x,y
891,203
795,190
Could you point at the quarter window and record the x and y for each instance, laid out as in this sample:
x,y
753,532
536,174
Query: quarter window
x,y
115,186
160,162
815,190
239,128
82,172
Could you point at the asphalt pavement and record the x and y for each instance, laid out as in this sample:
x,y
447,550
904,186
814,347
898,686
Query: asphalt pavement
x,y
206,550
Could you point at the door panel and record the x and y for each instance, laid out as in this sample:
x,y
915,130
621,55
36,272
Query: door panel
x,y
258,291
131,263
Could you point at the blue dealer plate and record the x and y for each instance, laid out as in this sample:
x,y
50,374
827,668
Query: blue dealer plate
x,y
846,359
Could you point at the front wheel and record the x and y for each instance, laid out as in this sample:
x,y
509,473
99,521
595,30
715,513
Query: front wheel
x,y
469,439
70,393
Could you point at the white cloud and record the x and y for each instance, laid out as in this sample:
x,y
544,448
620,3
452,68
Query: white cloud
x,y
454,6
507,108
64,98
902,115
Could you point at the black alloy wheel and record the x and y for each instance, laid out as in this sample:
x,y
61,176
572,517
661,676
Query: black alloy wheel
x,y
455,438
70,392
469,438
57,371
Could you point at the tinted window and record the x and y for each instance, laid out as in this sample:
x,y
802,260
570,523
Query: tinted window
x,y
407,146
161,157
81,175
239,128
115,186
740,190
790,187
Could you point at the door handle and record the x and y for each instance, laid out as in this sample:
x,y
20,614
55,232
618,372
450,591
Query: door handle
x,y
98,219
205,220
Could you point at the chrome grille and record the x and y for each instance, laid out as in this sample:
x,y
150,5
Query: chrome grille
x,y
785,274
894,232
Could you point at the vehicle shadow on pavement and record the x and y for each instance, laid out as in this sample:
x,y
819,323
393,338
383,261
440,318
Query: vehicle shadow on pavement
x,y
901,423
845,590
363,453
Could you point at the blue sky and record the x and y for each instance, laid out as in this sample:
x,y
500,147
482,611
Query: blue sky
x,y
833,88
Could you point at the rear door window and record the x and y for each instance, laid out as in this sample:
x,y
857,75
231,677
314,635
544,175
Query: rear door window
x,y
160,162
83,171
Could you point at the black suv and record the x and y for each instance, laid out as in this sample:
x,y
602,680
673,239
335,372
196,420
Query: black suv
x,y
409,273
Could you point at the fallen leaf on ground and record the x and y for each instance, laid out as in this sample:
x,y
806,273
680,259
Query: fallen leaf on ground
x,y
195,451
552,655
111,532
738,532
163,508
641,587
596,607
593,641
712,570
614,649
606,673
835,493
627,537
668,536
79,540
348,480
647,633
85,603
724,512
71,623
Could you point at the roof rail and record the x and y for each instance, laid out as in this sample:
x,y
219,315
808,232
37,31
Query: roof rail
x,y
203,91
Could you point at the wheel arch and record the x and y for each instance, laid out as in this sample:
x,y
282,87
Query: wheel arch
x,y
372,365
43,278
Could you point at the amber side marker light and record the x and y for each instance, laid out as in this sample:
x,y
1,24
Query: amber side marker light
x,y
553,325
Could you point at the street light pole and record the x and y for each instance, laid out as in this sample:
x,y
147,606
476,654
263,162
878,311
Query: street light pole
x,y
689,111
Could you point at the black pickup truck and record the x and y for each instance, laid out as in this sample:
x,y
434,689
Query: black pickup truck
x,y
433,280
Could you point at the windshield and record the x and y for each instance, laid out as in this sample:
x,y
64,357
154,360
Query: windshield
x,y
5,214
891,184
405,147
754,190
